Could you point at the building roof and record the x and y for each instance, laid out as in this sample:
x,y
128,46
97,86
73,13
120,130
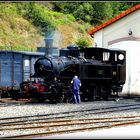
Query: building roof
x,y
120,16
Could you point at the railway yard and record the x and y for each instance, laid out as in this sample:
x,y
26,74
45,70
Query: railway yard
x,y
24,119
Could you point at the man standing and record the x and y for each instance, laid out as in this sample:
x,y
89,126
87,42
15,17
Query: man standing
x,y
76,83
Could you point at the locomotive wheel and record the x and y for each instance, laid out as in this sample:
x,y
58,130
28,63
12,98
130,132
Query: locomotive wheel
x,y
52,100
68,97
105,97
93,95
89,94
60,98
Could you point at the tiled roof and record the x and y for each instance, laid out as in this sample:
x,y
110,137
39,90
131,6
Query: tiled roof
x,y
92,31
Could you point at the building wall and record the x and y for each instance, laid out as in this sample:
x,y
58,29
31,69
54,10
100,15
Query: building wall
x,y
118,31
132,84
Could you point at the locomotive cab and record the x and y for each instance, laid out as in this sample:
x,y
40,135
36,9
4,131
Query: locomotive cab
x,y
107,78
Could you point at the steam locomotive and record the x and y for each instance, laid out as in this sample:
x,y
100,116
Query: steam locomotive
x,y
102,73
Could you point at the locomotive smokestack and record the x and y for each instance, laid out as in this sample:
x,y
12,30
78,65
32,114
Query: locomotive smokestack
x,y
48,42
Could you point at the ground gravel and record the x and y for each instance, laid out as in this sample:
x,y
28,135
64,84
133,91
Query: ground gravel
x,y
62,108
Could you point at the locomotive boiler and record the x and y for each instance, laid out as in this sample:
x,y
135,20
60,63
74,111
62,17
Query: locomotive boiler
x,y
101,71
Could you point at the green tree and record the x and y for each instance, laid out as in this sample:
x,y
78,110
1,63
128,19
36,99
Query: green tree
x,y
94,13
103,12
80,10
84,12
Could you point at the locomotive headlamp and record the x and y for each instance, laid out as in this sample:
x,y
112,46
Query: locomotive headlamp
x,y
121,56
114,73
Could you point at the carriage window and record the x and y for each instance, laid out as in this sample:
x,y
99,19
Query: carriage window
x,y
26,62
106,56
116,59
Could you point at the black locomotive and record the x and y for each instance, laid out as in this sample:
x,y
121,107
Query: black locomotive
x,y
102,73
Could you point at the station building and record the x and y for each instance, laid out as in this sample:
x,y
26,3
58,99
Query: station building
x,y
123,32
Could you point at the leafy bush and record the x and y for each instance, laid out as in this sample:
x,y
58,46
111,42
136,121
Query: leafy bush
x,y
82,42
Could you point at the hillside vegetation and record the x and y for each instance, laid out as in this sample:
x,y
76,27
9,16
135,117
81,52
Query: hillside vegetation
x,y
23,26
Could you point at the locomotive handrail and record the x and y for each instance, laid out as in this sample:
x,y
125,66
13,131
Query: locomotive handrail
x,y
83,58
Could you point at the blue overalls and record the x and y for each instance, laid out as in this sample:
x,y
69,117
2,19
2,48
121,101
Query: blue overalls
x,y
75,90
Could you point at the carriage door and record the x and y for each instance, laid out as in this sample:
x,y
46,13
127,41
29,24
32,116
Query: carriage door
x,y
6,69
17,69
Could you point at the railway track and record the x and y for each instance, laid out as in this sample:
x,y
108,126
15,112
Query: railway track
x,y
68,122
69,126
